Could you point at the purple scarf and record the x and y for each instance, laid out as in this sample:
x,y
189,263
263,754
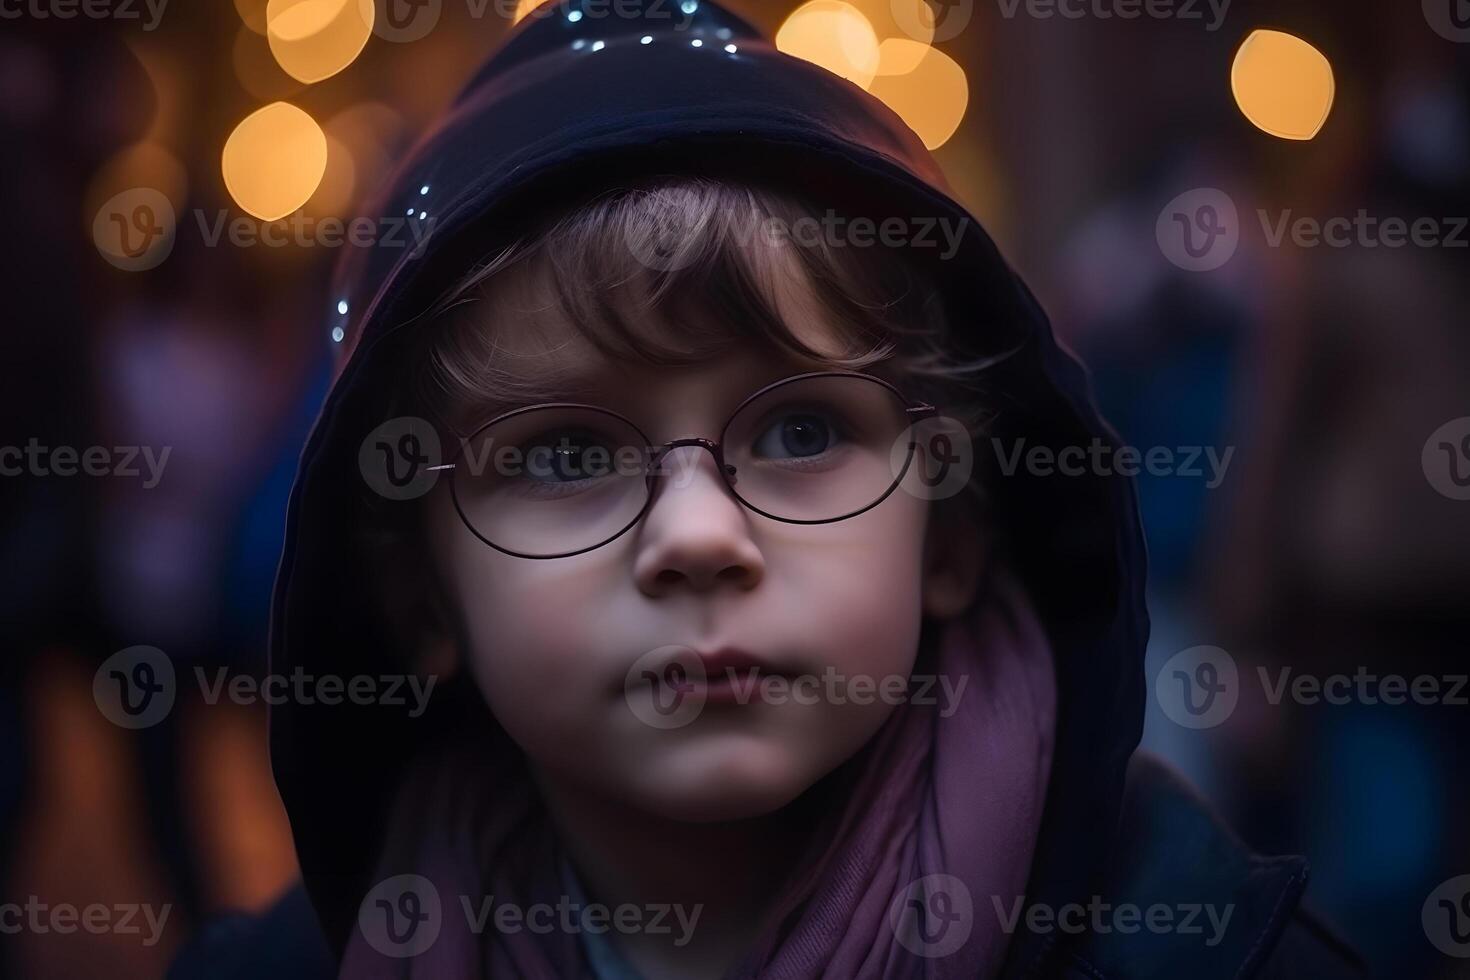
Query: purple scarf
x,y
958,797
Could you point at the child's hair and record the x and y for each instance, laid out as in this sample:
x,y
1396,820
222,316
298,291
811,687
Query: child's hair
x,y
629,265
672,271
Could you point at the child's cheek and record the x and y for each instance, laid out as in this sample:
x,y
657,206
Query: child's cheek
x,y
856,599
529,639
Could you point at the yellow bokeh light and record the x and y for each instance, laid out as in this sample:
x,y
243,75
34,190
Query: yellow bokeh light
x,y
931,96
274,160
899,56
524,7
832,34
315,39
1282,84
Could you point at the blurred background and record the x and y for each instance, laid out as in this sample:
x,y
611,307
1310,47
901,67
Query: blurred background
x,y
1332,545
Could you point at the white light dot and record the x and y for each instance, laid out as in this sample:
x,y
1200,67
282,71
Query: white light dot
x,y
423,215
730,48
338,334
574,15
689,6
598,45
409,211
342,306
646,39
579,44
697,43
423,190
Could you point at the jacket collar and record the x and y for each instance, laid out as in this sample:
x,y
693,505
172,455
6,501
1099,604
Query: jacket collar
x,y
1185,897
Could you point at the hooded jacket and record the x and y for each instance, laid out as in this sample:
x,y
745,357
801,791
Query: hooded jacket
x,y
568,104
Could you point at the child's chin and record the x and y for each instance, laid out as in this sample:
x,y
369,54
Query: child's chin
x,y
719,790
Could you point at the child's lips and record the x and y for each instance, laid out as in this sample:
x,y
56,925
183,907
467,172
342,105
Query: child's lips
x,y
733,676
725,675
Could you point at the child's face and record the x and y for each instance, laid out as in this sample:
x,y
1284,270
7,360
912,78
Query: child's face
x,y
551,642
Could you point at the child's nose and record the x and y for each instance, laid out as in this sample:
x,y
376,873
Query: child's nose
x,y
696,535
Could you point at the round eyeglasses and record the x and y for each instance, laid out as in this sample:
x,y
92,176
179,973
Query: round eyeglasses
x,y
556,480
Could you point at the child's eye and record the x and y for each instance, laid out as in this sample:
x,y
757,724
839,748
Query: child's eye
x,y
796,436
567,457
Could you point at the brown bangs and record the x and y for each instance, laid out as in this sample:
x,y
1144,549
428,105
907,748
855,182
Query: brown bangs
x,y
675,272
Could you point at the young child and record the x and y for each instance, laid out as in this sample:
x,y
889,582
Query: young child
x,y
671,461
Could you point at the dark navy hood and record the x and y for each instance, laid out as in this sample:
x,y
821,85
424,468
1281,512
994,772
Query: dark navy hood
x,y
566,108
